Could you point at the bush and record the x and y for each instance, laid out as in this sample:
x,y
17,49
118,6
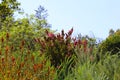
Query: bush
x,y
57,47
111,44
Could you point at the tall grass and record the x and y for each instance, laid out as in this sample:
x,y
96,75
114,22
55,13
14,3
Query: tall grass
x,y
107,68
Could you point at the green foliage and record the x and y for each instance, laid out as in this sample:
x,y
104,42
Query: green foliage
x,y
24,63
111,44
7,9
106,69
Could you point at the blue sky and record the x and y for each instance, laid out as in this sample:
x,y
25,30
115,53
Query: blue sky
x,y
87,17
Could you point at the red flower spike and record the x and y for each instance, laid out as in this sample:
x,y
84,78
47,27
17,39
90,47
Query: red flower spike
x,y
75,43
70,32
63,33
74,39
66,36
51,35
59,37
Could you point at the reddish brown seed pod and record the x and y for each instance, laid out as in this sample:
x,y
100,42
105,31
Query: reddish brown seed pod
x,y
22,43
13,59
6,48
7,35
2,39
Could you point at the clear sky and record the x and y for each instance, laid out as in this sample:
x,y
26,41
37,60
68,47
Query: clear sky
x,y
85,16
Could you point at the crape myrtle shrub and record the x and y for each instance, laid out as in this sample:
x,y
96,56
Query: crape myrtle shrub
x,y
61,47
56,47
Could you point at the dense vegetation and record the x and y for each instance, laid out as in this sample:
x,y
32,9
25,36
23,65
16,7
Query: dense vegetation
x,y
29,50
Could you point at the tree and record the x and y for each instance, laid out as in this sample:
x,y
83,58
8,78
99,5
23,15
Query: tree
x,y
111,32
41,15
112,43
7,10
25,29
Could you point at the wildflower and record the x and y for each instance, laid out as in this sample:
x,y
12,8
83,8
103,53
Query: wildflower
x,y
51,35
66,36
70,32
75,43
13,59
63,33
58,36
35,67
74,39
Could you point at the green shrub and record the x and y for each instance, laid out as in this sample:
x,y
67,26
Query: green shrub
x,y
111,44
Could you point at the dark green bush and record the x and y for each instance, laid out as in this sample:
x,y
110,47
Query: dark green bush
x,y
111,44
